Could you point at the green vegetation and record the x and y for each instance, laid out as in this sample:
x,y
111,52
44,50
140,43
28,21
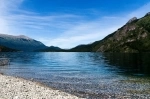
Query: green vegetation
x,y
51,49
6,49
132,37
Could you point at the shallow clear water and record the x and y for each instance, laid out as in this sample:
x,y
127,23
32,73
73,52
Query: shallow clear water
x,y
90,75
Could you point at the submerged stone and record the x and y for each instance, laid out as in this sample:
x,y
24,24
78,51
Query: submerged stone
x,y
4,61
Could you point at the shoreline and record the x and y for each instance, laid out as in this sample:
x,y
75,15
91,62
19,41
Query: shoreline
x,y
19,88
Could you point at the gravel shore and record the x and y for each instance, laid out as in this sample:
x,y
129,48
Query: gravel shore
x,y
17,88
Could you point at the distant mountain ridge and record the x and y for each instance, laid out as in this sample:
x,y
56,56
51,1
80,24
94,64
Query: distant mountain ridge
x,y
22,43
52,49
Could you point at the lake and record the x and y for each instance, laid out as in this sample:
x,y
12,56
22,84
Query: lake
x,y
90,75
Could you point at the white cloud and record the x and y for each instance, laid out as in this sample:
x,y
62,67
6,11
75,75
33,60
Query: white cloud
x,y
6,6
84,33
17,21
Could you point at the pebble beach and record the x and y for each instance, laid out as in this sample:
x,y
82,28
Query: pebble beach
x,y
18,88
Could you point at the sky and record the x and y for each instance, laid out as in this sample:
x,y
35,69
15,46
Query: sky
x,y
68,23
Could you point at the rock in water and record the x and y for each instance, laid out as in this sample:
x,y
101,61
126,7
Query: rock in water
x,y
4,61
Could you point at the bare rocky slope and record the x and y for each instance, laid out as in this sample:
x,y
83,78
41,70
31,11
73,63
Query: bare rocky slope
x,y
132,37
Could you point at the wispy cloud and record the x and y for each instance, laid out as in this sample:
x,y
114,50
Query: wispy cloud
x,y
85,33
6,7
65,30
97,29
16,21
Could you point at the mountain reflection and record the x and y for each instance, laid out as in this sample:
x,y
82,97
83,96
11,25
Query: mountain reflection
x,y
129,63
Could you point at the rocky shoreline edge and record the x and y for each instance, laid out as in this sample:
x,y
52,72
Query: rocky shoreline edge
x,y
18,88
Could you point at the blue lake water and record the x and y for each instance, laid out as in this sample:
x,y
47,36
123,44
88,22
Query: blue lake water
x,y
90,75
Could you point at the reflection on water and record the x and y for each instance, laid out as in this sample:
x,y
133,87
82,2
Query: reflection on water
x,y
130,63
85,74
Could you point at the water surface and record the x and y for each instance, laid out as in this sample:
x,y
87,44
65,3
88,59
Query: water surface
x,y
90,75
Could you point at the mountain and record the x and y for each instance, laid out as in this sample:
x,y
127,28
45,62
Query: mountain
x,y
52,49
85,48
6,49
81,48
21,42
134,36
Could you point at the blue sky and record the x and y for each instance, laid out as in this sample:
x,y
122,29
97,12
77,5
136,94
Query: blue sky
x,y
67,23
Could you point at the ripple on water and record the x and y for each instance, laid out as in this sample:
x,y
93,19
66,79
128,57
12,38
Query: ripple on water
x,y
92,75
